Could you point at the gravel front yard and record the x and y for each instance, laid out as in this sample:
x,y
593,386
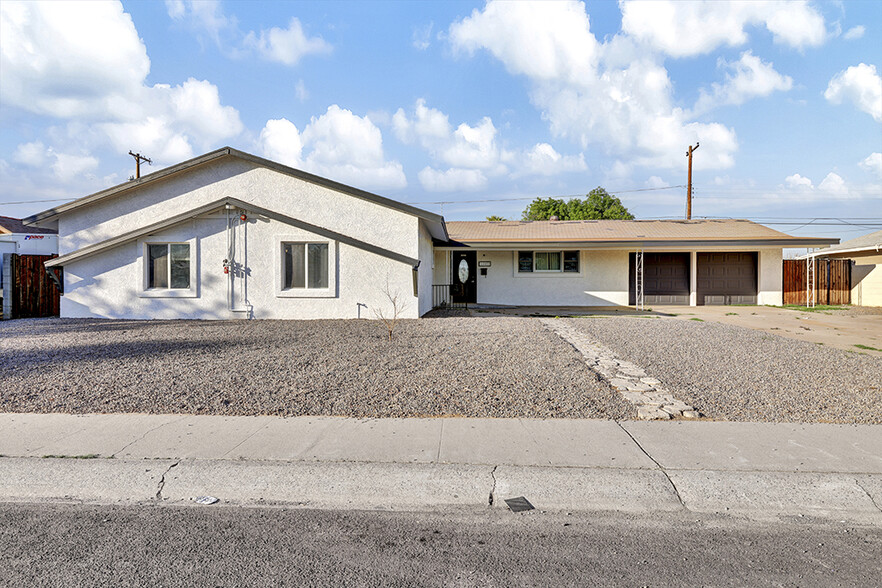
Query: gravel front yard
x,y
733,373
487,367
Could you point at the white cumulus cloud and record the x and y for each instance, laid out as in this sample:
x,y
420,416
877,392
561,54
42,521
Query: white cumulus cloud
x,y
84,63
66,59
611,95
873,163
452,180
544,160
747,78
798,181
338,144
859,84
473,147
65,166
854,33
285,46
281,45
683,29
834,185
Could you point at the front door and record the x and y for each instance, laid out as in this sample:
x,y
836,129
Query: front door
x,y
464,276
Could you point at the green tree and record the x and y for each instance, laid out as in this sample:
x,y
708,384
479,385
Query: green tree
x,y
496,219
599,205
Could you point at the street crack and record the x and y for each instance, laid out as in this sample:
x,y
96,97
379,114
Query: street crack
x,y
493,489
162,480
870,496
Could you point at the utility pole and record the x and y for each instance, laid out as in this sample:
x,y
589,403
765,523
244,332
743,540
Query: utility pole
x,y
689,182
139,158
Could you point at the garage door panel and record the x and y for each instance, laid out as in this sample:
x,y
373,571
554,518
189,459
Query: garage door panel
x,y
665,278
727,278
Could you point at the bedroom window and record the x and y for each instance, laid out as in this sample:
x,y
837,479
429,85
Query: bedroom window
x,y
304,265
168,266
548,261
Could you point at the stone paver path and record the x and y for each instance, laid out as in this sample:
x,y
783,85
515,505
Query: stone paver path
x,y
651,400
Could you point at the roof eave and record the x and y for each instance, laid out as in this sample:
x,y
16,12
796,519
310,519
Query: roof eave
x,y
52,213
623,243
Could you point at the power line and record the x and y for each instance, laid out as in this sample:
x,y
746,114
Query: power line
x,y
32,201
611,192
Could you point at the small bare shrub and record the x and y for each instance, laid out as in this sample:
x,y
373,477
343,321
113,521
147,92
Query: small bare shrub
x,y
393,311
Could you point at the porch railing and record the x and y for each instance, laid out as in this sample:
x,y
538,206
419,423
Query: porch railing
x,y
442,297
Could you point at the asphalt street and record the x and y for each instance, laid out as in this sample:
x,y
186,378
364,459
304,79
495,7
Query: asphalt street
x,y
161,545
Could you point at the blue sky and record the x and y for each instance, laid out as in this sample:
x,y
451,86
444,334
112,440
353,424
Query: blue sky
x,y
480,106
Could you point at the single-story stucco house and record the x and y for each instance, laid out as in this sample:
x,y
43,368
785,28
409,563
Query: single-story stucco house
x,y
866,270
232,235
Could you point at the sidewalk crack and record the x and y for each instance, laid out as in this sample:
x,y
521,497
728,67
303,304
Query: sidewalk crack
x,y
870,496
156,428
657,465
240,443
162,480
440,441
493,489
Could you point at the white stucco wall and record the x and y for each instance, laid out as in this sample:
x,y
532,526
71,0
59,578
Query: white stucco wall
x,y
111,284
426,271
866,281
770,277
236,178
602,281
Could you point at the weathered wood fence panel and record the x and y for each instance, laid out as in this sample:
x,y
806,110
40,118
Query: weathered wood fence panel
x,y
33,293
832,281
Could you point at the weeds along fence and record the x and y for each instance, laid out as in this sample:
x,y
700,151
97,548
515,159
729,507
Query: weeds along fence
x,y
832,281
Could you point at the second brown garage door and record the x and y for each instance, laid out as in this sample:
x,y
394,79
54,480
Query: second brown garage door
x,y
727,278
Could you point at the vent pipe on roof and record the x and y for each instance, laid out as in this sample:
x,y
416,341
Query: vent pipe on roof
x,y
554,218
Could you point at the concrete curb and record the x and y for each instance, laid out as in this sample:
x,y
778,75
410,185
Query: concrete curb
x,y
393,486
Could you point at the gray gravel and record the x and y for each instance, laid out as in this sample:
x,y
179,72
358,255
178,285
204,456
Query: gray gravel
x,y
488,367
733,373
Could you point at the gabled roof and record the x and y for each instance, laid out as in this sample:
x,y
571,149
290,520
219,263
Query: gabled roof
x,y
219,204
15,225
861,246
621,232
435,221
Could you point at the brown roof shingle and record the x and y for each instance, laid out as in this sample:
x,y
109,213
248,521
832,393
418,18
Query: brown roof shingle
x,y
478,232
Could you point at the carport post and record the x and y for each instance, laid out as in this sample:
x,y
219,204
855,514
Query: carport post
x,y
693,278
638,280
810,281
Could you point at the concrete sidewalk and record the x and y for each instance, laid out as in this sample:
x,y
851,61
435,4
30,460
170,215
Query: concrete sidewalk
x,y
757,469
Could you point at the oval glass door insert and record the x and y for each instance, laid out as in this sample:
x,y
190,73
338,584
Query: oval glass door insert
x,y
463,271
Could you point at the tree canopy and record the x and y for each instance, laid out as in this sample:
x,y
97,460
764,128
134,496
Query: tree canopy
x,y
599,205
495,219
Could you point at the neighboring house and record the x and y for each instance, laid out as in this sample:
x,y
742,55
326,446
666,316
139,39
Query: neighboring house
x,y
230,234
16,237
866,270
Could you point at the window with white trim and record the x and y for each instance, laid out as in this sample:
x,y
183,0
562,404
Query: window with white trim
x,y
548,261
168,266
305,266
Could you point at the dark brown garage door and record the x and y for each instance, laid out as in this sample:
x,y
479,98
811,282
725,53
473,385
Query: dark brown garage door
x,y
665,278
727,278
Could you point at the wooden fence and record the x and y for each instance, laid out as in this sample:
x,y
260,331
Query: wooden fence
x,y
832,281
32,291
